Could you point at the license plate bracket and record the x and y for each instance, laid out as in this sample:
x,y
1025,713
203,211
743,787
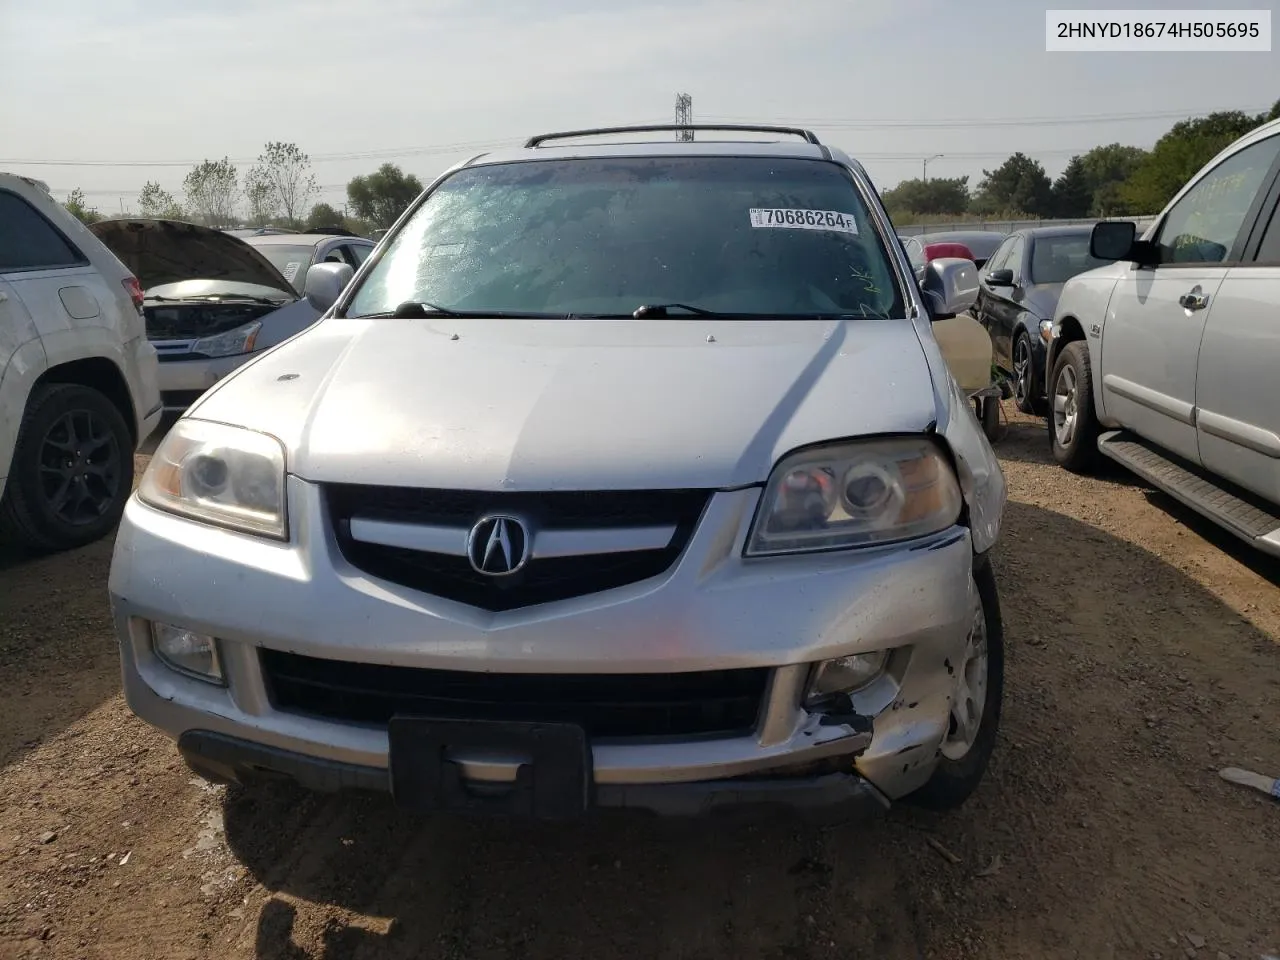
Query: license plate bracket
x,y
552,782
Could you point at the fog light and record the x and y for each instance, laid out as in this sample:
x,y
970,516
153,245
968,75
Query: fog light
x,y
845,675
1046,330
191,653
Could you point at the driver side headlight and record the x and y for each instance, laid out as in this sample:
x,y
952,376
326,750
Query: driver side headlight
x,y
220,474
229,343
855,495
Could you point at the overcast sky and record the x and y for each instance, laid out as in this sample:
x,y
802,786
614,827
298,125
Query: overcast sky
x,y
424,83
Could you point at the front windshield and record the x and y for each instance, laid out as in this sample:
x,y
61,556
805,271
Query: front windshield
x,y
1058,259
291,260
602,237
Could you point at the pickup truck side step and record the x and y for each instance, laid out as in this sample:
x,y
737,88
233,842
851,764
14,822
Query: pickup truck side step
x,y
1241,513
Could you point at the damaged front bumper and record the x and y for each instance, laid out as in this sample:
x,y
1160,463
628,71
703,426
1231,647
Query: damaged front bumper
x,y
712,611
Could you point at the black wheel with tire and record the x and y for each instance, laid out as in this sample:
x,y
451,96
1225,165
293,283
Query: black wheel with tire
x,y
976,702
72,469
989,416
1073,428
1026,386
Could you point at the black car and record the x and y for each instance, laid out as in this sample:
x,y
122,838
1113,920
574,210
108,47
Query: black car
x,y
1018,292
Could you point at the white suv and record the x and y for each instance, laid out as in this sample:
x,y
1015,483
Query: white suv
x,y
78,387
1165,360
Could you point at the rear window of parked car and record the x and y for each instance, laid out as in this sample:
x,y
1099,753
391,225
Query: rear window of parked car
x,y
601,237
1058,259
28,241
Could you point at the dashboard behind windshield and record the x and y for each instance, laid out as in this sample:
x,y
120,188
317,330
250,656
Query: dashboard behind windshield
x,y
602,237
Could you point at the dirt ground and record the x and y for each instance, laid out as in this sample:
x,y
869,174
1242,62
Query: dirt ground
x,y
1143,656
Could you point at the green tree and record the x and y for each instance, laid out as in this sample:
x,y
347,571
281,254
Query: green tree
x,y
75,202
212,189
260,197
937,196
155,201
1072,193
286,173
382,196
1108,168
1180,153
324,215
1019,185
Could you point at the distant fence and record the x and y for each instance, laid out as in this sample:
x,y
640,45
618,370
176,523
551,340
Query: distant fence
x,y
1007,226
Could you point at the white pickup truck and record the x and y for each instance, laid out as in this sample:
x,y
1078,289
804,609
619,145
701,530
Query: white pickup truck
x,y
78,387
1165,361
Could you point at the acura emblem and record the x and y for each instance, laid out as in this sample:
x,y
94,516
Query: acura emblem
x,y
498,546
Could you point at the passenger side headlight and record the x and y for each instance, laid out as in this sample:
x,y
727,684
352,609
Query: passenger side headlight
x,y
224,475
229,344
854,495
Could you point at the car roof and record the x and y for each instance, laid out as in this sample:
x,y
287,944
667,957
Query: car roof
x,y
798,149
1070,230
971,234
29,181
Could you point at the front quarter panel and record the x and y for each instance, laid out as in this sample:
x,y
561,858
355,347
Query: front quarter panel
x,y
981,479
1084,303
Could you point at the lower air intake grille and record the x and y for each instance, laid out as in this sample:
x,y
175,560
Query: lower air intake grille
x,y
608,706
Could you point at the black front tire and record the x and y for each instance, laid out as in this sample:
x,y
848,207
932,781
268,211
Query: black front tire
x,y
954,781
1071,400
1026,384
28,511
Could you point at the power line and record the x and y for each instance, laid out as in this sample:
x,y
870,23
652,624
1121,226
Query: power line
x,y
315,158
830,123
385,153
861,157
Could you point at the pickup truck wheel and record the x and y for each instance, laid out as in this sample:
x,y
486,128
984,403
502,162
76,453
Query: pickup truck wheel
x,y
72,469
1073,428
976,701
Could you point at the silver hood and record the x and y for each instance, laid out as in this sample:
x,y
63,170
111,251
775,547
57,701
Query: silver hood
x,y
168,251
568,404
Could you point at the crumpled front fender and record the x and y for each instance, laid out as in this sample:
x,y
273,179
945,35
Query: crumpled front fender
x,y
981,479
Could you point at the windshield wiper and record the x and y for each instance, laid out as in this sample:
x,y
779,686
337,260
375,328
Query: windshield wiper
x,y
421,309
651,311
417,309
240,298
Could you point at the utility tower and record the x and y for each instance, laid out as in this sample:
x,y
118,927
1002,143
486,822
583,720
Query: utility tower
x,y
684,116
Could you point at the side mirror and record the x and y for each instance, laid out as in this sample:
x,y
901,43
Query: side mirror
x,y
1000,278
1112,239
950,286
325,283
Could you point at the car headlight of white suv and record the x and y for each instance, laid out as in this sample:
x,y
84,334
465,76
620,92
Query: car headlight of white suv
x,y
225,475
838,496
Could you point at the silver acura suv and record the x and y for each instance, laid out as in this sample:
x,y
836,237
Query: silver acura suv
x,y
623,474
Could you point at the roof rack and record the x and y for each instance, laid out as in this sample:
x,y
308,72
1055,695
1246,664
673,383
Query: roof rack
x,y
807,135
332,231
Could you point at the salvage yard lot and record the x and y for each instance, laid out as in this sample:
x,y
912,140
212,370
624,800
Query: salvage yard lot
x,y
1143,656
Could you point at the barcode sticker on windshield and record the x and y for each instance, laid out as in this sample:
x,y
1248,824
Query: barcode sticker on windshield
x,y
803,219
291,270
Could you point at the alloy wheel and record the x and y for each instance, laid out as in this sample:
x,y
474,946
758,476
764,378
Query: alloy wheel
x,y
1065,406
79,468
969,698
